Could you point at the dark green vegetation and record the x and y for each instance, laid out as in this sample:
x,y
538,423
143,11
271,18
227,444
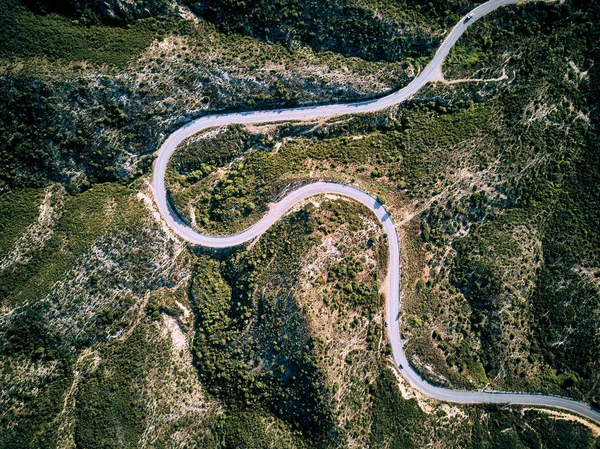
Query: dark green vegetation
x,y
372,30
108,11
406,150
66,288
513,165
86,102
508,430
19,210
529,270
392,414
397,153
544,247
26,34
107,212
108,398
401,424
254,347
345,276
200,156
112,334
45,137
255,352
285,378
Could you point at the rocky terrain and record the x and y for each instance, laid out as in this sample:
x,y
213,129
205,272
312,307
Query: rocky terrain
x,y
114,333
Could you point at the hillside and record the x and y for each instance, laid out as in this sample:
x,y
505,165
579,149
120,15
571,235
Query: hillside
x,y
116,333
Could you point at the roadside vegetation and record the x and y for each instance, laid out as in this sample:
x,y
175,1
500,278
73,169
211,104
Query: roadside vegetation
x,y
109,325
86,102
371,30
383,154
254,346
498,183
280,343
524,280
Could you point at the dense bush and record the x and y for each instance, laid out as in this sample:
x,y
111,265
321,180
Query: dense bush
x,y
111,11
558,200
392,413
232,201
336,25
244,312
26,34
109,398
253,350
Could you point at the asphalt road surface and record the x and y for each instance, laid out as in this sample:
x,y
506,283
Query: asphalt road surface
x,y
431,73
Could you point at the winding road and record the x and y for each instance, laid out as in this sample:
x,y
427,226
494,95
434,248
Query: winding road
x,y
432,72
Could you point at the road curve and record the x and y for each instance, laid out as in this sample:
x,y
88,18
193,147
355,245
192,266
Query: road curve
x,y
279,209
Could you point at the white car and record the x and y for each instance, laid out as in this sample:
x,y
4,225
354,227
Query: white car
x,y
469,17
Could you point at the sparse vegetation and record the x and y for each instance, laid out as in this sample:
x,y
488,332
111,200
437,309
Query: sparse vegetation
x,y
94,109
493,168
115,334
25,34
391,154
349,28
